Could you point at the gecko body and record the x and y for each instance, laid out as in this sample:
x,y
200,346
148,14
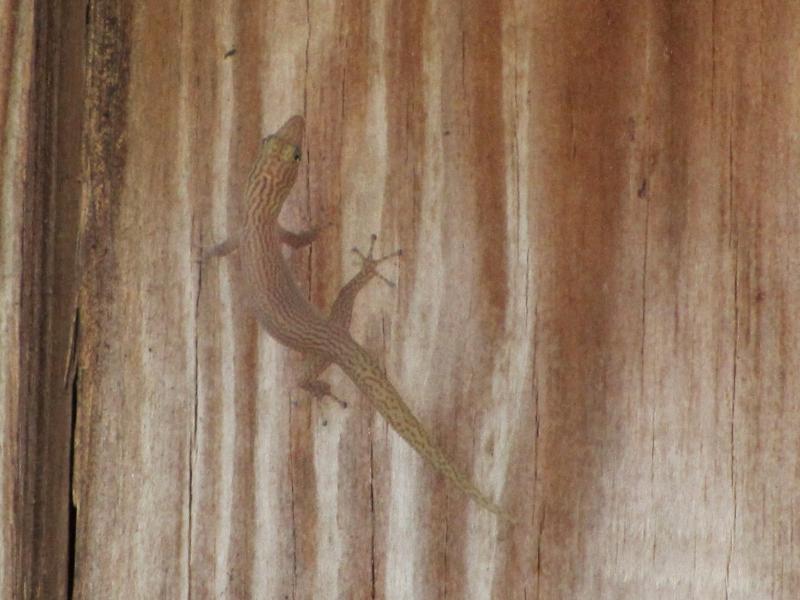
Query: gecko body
x,y
280,307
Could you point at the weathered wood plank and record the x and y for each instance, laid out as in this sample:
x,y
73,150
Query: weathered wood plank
x,y
17,37
599,215
40,120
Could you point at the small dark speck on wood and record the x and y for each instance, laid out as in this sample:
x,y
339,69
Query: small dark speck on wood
x,y
230,53
643,189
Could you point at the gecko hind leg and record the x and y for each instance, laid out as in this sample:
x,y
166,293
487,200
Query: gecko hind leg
x,y
369,263
341,314
312,384
320,390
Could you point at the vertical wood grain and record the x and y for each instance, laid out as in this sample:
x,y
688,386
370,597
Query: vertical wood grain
x,y
40,121
17,35
598,207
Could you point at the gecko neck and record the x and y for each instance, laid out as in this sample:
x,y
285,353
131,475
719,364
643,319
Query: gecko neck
x,y
265,201
261,221
262,218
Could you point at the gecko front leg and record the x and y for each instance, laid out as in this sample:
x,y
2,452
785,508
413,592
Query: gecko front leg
x,y
219,250
341,314
301,238
290,238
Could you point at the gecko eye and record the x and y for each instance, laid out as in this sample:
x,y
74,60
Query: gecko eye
x,y
297,155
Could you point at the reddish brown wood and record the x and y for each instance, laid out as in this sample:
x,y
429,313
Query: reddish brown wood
x,y
595,312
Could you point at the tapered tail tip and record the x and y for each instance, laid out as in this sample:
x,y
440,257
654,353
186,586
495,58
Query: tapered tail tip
x,y
292,130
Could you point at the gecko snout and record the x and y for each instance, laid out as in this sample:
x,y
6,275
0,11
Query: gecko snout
x,y
292,131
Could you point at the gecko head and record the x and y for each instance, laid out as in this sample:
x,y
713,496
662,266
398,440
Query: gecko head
x,y
278,162
283,148
292,131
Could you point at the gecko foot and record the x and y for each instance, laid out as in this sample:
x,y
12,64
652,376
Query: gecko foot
x,y
320,390
369,263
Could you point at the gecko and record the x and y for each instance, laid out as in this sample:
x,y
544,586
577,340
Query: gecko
x,y
273,297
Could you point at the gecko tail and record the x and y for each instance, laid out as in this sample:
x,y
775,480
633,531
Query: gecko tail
x,y
365,372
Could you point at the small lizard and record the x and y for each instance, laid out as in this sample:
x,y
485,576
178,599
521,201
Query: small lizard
x,y
277,303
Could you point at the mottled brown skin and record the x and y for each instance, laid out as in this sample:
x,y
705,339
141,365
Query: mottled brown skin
x,y
276,301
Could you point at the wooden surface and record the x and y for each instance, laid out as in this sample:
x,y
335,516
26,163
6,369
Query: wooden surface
x,y
596,311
